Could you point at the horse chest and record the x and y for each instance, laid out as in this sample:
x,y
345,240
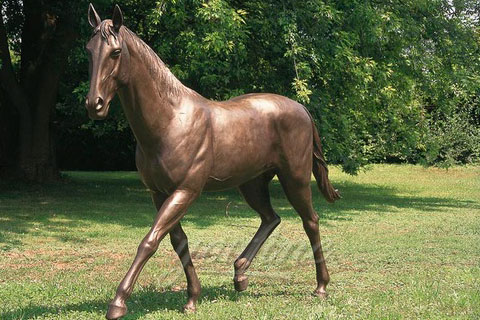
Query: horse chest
x,y
159,174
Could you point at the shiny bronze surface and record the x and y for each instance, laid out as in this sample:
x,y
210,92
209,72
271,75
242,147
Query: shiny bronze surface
x,y
187,143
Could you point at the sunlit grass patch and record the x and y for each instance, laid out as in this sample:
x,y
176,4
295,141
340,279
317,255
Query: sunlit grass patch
x,y
402,243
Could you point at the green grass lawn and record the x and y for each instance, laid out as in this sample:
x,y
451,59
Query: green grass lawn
x,y
404,242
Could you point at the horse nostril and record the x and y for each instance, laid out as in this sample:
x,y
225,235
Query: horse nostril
x,y
99,103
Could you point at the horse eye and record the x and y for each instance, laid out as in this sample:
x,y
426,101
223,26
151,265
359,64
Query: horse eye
x,y
116,53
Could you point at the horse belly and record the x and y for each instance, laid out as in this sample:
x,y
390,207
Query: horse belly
x,y
240,159
218,183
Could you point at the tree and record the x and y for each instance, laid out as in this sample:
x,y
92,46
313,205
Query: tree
x,y
385,81
35,41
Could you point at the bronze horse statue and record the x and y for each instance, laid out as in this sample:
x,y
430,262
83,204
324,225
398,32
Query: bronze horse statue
x,y
187,143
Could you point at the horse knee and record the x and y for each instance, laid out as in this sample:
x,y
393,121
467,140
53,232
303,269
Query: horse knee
x,y
148,247
311,223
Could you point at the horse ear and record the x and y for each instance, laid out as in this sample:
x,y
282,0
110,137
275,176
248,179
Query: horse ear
x,y
117,18
93,17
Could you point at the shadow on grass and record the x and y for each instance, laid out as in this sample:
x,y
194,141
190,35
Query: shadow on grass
x,y
120,198
142,302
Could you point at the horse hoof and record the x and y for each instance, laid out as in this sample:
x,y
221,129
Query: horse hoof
x,y
321,293
189,307
240,283
115,312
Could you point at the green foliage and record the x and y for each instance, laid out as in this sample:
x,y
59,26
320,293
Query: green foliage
x,y
454,139
384,81
209,45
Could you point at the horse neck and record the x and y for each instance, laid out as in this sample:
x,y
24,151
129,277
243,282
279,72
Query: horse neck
x,y
151,95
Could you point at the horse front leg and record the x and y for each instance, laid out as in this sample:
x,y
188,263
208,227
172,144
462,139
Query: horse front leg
x,y
170,213
179,241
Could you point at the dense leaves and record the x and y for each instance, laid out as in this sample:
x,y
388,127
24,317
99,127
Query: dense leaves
x,y
386,81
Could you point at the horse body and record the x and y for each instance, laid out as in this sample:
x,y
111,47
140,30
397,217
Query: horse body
x,y
252,134
228,142
187,144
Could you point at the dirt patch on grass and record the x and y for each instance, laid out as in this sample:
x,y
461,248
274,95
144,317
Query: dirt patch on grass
x,y
45,263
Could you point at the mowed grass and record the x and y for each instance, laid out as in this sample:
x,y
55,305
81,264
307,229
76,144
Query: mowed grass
x,y
404,242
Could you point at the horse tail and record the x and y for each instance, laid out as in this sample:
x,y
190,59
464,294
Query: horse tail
x,y
320,169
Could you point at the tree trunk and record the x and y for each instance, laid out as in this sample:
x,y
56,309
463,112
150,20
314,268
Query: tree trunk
x,y
32,94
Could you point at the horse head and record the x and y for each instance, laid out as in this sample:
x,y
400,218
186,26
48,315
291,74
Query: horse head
x,y
108,62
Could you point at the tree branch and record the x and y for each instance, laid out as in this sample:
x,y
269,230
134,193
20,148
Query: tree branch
x,y
15,94
6,68
8,81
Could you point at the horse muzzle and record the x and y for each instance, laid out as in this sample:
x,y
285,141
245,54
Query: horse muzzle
x,y
97,108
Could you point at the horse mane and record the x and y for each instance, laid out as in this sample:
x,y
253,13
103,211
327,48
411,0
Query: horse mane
x,y
167,83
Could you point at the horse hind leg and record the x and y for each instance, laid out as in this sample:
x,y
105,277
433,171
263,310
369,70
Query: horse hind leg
x,y
257,196
299,194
